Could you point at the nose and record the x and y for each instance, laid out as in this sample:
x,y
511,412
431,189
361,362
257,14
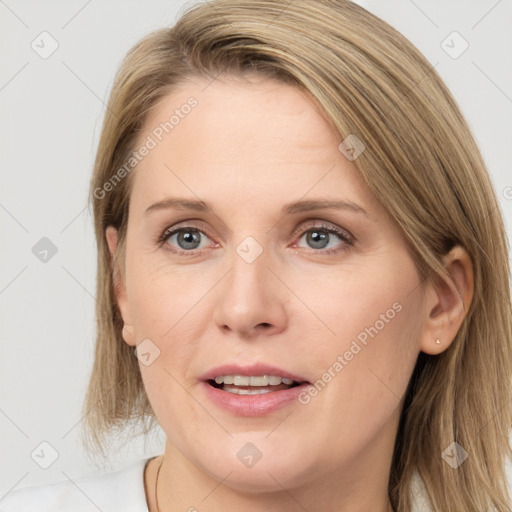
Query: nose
x,y
250,299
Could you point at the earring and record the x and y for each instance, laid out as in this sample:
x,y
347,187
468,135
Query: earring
x,y
438,341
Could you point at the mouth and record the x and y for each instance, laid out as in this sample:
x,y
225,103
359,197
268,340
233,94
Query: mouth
x,y
256,389
253,384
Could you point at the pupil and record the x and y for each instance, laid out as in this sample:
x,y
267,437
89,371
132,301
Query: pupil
x,y
188,237
316,237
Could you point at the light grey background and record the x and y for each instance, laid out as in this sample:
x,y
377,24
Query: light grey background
x,y
51,116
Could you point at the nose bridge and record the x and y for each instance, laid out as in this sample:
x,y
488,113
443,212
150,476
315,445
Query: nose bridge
x,y
248,279
248,298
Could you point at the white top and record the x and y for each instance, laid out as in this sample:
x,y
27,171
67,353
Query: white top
x,y
119,491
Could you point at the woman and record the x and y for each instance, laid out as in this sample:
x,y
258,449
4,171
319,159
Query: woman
x,y
302,273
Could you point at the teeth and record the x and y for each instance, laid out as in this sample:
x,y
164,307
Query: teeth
x,y
260,380
240,380
242,391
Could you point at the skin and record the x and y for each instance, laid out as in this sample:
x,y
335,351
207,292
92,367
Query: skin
x,y
248,148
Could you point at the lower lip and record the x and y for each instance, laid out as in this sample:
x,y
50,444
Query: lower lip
x,y
252,405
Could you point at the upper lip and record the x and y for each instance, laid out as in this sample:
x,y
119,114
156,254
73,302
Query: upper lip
x,y
251,370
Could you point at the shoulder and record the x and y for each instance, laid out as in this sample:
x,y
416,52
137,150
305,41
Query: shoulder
x,y
122,490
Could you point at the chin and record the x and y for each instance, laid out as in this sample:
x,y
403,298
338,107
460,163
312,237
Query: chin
x,y
263,477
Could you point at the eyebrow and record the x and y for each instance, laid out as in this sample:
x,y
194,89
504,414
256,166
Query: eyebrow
x,y
288,209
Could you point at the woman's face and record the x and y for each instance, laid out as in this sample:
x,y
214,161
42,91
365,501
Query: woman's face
x,y
261,284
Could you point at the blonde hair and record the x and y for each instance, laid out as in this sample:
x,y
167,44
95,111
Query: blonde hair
x,y
421,162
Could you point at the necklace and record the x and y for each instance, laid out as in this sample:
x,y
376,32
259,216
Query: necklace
x,y
156,485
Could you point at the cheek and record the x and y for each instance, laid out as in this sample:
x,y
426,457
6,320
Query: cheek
x,y
371,371
367,298
377,317
163,300
168,309
362,372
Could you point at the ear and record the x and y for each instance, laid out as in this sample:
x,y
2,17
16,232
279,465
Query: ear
x,y
447,302
120,288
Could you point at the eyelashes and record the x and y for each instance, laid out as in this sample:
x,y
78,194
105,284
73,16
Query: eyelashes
x,y
323,231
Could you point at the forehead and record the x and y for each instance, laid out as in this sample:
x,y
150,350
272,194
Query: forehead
x,y
248,141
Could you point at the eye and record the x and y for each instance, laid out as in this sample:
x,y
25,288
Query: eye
x,y
189,240
183,240
318,238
